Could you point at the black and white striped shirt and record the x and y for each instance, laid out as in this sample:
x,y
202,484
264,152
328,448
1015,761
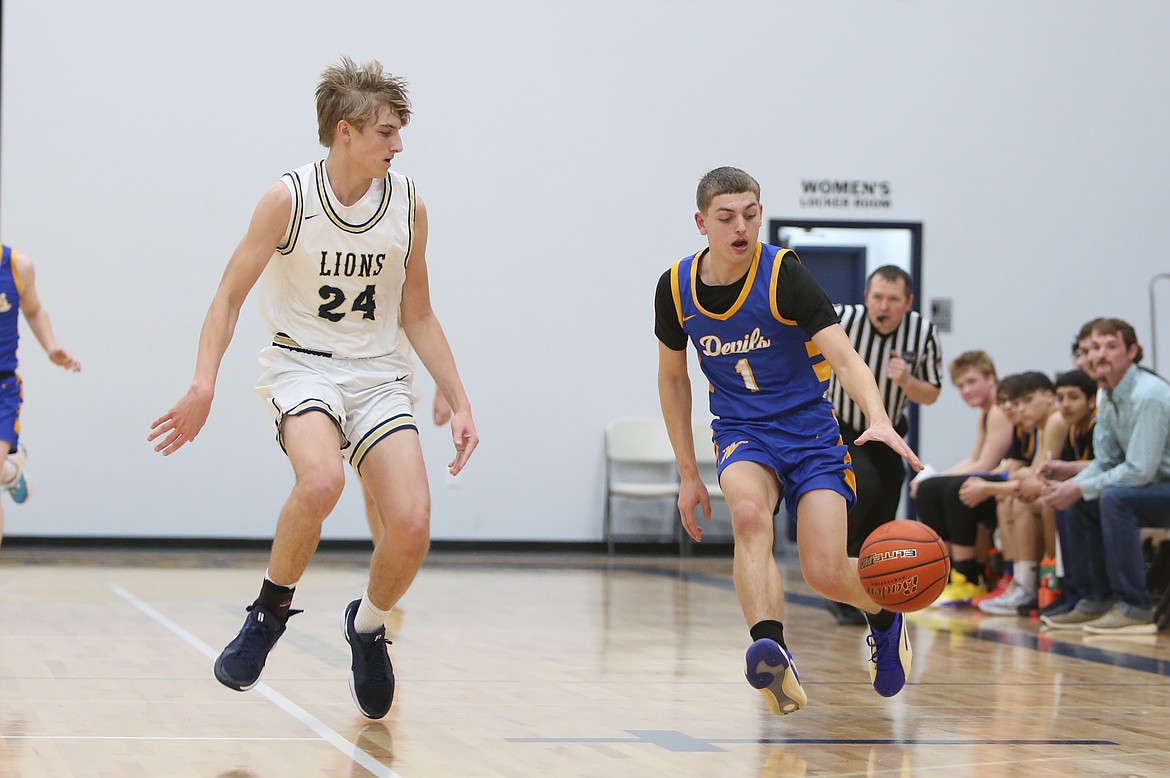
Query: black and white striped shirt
x,y
916,339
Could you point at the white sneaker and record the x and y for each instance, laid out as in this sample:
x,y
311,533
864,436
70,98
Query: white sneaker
x,y
1010,602
19,487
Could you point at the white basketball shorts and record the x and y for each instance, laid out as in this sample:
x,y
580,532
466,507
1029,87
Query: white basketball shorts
x,y
368,398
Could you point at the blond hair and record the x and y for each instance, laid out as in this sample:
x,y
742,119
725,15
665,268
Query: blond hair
x,y
354,93
972,360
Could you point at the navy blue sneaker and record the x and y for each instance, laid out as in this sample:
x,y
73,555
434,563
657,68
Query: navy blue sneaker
x,y
242,661
769,668
890,657
371,676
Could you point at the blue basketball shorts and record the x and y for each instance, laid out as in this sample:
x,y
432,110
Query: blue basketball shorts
x,y
11,398
803,447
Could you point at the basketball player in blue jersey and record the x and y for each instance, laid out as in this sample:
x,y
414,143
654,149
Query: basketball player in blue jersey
x,y
340,248
18,294
767,338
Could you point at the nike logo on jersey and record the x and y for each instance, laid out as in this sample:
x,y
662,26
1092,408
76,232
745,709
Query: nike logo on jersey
x,y
688,318
310,216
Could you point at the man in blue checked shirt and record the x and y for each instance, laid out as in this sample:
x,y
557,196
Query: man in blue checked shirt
x,y
1126,487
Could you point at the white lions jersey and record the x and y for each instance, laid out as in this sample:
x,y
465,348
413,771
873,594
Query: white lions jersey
x,y
334,285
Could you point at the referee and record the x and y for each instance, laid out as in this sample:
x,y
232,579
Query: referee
x,y
902,349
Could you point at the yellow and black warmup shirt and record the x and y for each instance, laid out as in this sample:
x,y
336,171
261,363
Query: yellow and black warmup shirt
x,y
1023,447
1078,446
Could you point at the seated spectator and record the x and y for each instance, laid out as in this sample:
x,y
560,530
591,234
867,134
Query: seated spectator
x,y
1076,401
1021,524
1125,487
1080,346
973,374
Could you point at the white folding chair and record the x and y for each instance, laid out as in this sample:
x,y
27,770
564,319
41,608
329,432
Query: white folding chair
x,y
639,465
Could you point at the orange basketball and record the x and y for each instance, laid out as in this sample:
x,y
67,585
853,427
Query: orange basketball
x,y
904,565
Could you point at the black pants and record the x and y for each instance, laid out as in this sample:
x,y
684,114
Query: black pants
x,y
940,508
880,473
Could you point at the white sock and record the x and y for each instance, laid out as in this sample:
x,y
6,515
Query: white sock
x,y
1024,574
268,577
369,618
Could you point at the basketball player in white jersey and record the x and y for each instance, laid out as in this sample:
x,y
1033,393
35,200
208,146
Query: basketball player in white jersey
x,y
341,245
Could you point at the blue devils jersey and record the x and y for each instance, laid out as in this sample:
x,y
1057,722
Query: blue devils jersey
x,y
9,312
759,364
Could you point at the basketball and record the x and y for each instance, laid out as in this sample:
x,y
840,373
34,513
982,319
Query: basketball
x,y
904,565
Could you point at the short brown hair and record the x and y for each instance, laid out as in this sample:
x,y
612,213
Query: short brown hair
x,y
721,181
355,93
893,274
1122,328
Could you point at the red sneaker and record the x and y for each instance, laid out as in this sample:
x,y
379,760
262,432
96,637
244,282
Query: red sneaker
x,y
1001,587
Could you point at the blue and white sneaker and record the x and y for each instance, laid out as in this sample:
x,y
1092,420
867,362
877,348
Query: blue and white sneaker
x,y
21,487
770,668
890,657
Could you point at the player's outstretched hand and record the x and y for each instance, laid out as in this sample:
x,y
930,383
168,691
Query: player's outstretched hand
x,y
181,423
884,433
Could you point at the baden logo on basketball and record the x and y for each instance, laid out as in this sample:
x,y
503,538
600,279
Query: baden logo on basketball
x,y
900,589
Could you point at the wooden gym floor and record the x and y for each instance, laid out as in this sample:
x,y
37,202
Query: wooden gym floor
x,y
542,665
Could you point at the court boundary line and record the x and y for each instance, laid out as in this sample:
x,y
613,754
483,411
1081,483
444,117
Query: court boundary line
x,y
324,732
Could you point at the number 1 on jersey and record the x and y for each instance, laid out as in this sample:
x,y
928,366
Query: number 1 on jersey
x,y
745,372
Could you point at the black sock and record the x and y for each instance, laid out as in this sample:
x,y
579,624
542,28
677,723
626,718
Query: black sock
x,y
275,599
773,630
971,570
882,620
